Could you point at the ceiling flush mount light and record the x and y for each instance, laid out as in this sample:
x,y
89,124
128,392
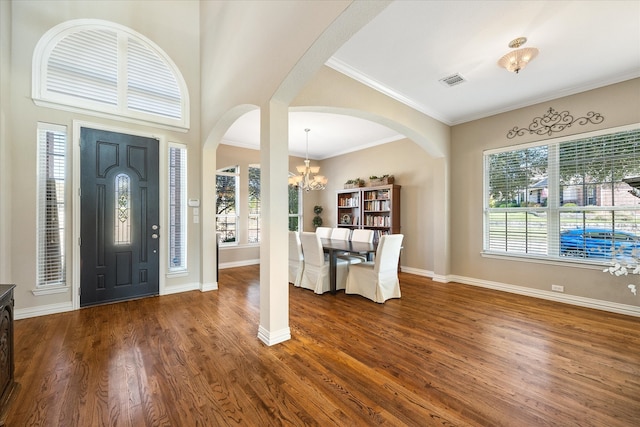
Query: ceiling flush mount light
x,y
516,60
307,178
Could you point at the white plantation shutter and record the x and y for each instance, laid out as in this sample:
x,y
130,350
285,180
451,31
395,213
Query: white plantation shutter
x,y
101,67
85,65
592,168
151,85
535,193
51,205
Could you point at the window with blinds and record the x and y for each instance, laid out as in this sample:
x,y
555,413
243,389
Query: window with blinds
x,y
177,208
295,206
51,204
565,199
102,67
254,204
227,186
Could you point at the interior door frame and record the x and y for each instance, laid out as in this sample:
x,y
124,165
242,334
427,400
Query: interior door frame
x,y
76,214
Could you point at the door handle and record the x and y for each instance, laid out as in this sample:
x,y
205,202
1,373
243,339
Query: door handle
x,y
154,236
154,227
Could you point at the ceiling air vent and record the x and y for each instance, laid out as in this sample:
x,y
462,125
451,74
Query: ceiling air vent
x,y
452,80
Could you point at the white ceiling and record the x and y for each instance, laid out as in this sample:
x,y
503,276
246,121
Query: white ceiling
x,y
411,45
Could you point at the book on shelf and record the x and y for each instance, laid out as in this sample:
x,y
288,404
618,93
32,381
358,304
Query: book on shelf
x,y
348,202
377,205
377,194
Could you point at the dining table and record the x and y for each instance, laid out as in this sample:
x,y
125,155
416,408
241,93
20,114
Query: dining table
x,y
334,247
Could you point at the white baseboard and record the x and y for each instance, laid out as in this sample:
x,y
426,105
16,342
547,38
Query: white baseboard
x,y
238,263
272,338
416,271
630,310
168,290
42,310
209,287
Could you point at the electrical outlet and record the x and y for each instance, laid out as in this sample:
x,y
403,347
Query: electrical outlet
x,y
557,288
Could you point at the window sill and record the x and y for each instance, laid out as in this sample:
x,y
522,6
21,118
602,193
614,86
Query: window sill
x,y
574,263
180,273
246,245
50,290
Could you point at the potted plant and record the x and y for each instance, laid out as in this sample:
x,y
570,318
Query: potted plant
x,y
375,181
354,183
317,220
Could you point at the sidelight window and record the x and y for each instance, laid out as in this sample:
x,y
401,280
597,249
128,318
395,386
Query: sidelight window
x,y
177,208
51,205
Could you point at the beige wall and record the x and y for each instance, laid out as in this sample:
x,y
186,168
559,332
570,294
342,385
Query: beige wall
x,y
412,168
619,104
5,146
173,26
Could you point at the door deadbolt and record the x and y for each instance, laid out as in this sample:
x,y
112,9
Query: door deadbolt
x,y
154,236
154,227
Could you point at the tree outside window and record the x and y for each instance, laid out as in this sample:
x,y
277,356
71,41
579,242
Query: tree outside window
x,y
295,208
227,180
254,204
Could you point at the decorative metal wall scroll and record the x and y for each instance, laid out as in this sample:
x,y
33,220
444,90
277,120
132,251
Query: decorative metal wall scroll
x,y
553,121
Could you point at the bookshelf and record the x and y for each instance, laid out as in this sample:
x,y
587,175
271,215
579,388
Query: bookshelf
x,y
375,208
348,209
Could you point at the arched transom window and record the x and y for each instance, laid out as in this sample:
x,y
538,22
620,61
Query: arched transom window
x,y
103,68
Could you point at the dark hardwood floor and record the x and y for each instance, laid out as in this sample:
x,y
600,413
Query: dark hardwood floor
x,y
444,354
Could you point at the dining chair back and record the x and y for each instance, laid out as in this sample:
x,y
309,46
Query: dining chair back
x,y
296,259
316,268
324,232
360,235
378,280
340,234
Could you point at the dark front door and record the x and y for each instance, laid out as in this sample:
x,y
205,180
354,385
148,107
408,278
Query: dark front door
x,y
119,217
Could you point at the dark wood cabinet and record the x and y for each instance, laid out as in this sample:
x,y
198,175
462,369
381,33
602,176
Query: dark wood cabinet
x,y
7,382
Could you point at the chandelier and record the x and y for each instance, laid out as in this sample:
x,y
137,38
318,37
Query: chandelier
x,y
516,60
308,178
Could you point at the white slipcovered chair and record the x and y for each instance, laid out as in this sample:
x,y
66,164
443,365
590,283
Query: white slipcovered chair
x,y
378,280
324,232
316,268
296,259
340,234
360,235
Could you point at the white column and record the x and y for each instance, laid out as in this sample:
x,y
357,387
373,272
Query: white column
x,y
208,261
274,243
